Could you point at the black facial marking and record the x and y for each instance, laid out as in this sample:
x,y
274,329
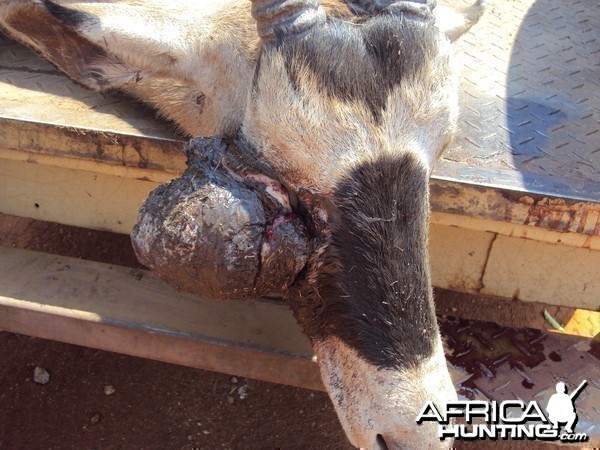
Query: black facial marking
x,y
377,297
69,17
365,61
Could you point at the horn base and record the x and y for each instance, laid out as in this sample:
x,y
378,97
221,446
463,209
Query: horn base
x,y
278,18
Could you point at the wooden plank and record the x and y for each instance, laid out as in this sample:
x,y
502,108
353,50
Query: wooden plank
x,y
457,257
71,196
130,311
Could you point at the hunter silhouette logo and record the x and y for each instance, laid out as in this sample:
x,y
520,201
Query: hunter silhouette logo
x,y
561,407
509,419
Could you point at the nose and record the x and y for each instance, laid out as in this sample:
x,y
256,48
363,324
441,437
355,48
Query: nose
x,y
377,407
380,443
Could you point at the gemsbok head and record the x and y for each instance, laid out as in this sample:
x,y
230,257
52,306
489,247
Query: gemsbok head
x,y
351,115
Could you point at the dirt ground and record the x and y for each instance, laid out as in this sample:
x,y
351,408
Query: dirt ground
x,y
101,400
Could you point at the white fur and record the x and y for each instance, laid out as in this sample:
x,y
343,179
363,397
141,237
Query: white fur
x,y
371,401
419,118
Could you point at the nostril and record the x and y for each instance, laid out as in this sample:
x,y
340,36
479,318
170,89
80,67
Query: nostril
x,y
381,445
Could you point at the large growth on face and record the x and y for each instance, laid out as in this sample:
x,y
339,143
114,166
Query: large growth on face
x,y
218,234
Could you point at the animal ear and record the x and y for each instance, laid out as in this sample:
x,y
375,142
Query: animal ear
x,y
454,23
48,29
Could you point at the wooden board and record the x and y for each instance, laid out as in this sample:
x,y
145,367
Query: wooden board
x,y
130,311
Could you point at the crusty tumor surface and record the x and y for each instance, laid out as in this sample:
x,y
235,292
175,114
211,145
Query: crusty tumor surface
x,y
213,233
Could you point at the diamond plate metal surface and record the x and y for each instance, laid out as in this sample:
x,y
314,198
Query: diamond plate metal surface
x,y
530,98
500,363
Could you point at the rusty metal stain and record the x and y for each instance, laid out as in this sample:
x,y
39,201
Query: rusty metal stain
x,y
552,213
94,145
560,215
